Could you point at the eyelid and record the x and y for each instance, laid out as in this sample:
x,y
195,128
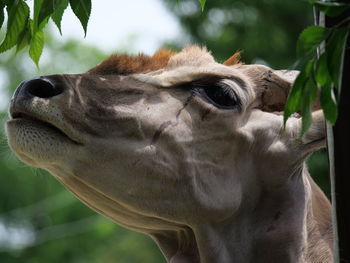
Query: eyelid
x,y
232,83
201,88
239,87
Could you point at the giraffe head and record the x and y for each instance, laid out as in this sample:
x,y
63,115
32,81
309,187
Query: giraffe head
x,y
163,143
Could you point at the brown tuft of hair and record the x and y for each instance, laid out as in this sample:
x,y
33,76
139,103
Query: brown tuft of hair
x,y
126,64
234,59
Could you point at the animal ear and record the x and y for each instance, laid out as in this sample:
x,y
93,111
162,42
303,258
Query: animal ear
x,y
287,75
290,77
276,86
271,86
234,59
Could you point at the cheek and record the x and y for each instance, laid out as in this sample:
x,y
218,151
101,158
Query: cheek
x,y
167,125
35,143
262,128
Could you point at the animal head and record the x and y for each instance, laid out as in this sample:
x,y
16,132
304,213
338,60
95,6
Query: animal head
x,y
164,142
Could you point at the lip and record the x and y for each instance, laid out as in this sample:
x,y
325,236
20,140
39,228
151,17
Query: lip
x,y
22,116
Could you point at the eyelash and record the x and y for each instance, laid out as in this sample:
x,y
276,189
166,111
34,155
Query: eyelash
x,y
219,94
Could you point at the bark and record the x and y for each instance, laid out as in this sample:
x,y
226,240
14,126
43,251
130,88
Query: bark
x,y
339,146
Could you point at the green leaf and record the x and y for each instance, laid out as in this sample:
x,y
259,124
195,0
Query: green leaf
x,y
310,39
8,2
46,10
25,37
58,14
327,99
42,12
82,9
294,97
335,54
2,6
304,90
328,104
18,15
322,75
306,119
37,7
202,4
331,8
305,106
312,88
309,94
36,46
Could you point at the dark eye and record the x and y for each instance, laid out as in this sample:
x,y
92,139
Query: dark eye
x,y
220,95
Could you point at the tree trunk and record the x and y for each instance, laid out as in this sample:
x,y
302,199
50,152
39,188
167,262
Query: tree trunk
x,y
340,161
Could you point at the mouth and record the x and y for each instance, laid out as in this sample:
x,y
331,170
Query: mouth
x,y
19,116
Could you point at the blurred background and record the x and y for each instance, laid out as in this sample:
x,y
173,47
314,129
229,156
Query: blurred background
x,y
40,221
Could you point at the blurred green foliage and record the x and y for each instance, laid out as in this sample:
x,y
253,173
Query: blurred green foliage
x,y
40,221
265,30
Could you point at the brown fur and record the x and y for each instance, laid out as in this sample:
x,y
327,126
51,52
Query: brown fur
x,y
126,64
234,59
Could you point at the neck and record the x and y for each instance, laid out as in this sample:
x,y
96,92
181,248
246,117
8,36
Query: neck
x,y
289,224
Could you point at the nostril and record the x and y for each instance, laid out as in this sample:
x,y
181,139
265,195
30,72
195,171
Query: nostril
x,y
42,88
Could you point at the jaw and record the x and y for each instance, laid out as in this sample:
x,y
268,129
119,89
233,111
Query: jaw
x,y
39,134
38,144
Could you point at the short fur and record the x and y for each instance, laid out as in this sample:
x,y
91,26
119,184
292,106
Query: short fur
x,y
207,184
126,64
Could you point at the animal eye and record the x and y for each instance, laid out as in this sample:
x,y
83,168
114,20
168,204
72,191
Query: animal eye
x,y
220,95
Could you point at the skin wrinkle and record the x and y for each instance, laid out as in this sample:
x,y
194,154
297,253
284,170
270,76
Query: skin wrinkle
x,y
166,124
207,184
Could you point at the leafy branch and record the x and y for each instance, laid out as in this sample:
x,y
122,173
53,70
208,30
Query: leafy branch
x,y
320,73
23,30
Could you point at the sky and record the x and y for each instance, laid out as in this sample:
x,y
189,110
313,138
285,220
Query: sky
x,y
113,23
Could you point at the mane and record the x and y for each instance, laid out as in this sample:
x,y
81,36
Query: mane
x,y
126,64
234,59
122,64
